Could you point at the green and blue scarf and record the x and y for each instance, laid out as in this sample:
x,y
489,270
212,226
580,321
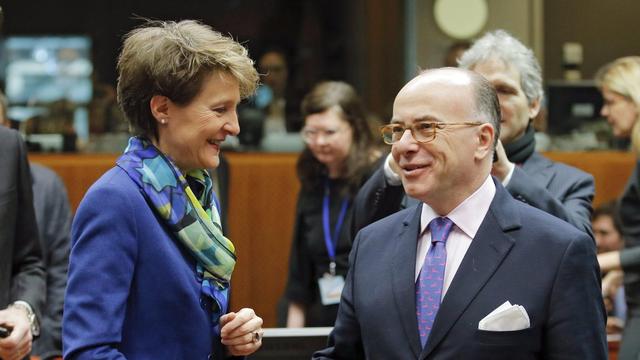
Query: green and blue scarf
x,y
194,220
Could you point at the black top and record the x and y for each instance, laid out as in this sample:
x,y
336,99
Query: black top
x,y
630,218
309,259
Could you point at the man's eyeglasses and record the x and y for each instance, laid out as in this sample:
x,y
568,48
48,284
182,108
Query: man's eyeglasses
x,y
312,135
423,131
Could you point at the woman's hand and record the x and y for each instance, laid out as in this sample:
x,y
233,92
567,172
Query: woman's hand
x,y
295,315
609,260
241,332
611,283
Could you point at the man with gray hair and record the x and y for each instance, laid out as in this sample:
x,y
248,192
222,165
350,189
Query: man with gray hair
x,y
558,189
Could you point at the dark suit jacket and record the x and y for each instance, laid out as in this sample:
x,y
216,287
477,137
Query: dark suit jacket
x,y
53,214
21,271
558,189
520,254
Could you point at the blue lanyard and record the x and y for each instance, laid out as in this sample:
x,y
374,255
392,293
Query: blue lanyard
x,y
330,242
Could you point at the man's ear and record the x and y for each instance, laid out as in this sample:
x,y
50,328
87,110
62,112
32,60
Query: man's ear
x,y
534,108
159,105
486,135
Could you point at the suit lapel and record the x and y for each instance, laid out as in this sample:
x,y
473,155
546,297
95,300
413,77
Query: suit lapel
x,y
539,168
489,247
403,278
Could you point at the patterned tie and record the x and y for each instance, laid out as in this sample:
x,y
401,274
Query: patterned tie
x,y
431,278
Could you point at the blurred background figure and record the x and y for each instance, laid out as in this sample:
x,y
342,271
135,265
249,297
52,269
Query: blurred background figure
x,y
454,53
607,228
272,65
274,109
608,234
340,155
53,216
619,82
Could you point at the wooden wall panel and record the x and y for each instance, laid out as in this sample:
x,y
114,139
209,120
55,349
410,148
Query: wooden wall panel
x,y
262,202
611,169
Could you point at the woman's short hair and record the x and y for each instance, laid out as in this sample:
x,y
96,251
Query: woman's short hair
x,y
500,45
173,59
343,97
622,76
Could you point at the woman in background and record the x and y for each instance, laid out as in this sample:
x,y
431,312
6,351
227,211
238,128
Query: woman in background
x,y
339,157
149,267
619,82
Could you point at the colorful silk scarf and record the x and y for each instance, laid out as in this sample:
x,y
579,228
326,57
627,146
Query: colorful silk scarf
x,y
195,221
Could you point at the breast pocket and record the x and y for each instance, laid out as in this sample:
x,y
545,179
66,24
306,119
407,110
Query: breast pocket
x,y
520,344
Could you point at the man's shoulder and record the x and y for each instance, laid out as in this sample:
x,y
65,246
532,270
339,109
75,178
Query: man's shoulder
x,y
540,224
560,169
43,175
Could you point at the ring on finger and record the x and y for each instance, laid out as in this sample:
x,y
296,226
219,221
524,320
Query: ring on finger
x,y
257,336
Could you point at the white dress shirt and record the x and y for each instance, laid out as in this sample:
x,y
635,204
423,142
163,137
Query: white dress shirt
x,y
466,218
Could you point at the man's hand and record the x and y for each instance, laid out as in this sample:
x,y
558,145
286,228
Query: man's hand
x,y
17,345
503,166
241,332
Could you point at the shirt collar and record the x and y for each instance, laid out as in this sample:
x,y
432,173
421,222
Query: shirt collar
x,y
467,216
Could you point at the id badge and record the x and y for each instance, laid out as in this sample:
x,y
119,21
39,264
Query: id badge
x,y
330,288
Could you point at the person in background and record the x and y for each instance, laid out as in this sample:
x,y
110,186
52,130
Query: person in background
x,y
619,82
607,229
53,216
150,269
339,156
558,189
274,110
22,276
608,235
454,52
273,67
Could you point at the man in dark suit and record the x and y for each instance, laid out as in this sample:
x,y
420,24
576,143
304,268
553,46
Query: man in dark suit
x,y
53,216
423,282
22,277
558,189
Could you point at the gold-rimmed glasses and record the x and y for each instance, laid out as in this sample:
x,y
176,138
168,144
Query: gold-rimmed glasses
x,y
422,131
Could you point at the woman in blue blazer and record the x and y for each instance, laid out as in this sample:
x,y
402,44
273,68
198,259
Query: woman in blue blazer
x,y
150,269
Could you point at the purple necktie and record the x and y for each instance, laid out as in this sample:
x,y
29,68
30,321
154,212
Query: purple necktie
x,y
431,278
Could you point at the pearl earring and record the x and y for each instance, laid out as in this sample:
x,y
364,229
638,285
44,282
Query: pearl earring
x,y
163,121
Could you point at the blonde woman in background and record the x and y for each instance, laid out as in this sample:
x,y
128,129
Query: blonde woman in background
x,y
619,82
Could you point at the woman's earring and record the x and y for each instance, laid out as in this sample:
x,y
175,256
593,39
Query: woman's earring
x,y
163,121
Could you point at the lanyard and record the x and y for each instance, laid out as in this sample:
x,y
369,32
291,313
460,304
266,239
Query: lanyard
x,y
329,241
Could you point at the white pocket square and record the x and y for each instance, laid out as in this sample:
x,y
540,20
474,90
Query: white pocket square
x,y
506,317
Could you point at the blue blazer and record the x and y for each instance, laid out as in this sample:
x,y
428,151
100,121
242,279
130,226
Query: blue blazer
x,y
132,290
520,254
